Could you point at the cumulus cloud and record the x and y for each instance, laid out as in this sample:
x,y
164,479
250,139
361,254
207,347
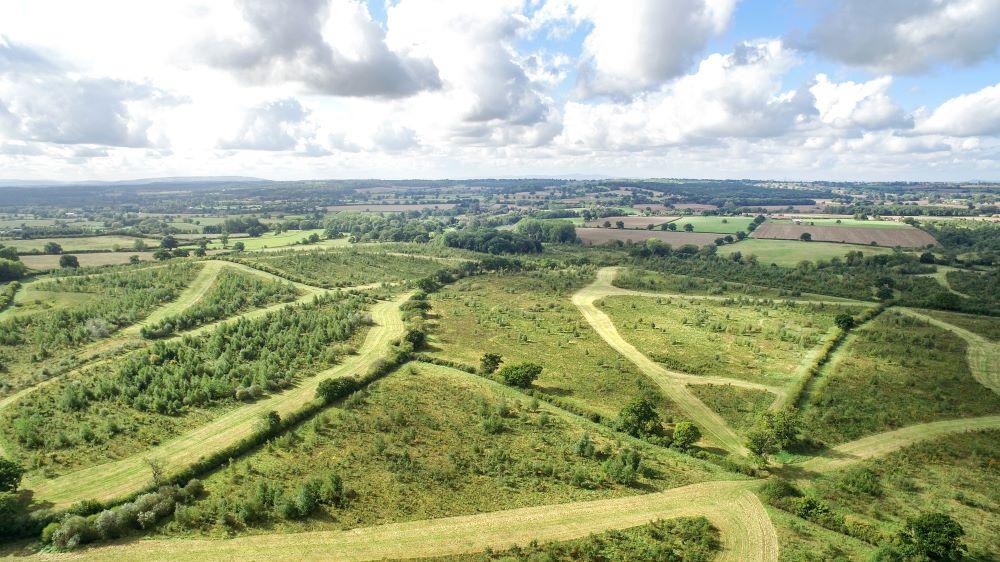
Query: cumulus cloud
x,y
275,125
328,47
639,44
967,115
906,36
731,95
486,81
41,102
866,105
394,138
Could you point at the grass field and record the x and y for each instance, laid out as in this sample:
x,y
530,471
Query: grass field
x,y
528,317
898,371
789,253
269,240
956,474
720,225
46,262
986,326
756,342
73,244
738,406
419,444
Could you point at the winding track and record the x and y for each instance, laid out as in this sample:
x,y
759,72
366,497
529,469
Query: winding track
x,y
747,533
121,478
982,355
672,383
882,444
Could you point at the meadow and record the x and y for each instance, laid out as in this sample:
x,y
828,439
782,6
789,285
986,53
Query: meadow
x,y
81,243
719,225
789,253
762,343
895,372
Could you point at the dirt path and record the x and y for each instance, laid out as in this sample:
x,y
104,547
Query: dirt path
x,y
746,530
882,444
672,383
983,355
120,478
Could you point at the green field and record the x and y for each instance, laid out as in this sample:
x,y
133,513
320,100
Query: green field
x,y
789,253
762,343
75,244
526,317
268,240
956,473
721,225
426,442
897,371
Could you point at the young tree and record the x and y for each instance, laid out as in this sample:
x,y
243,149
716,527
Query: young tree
x,y
52,248
162,255
10,475
686,434
844,321
639,417
933,536
239,246
489,363
157,470
688,227
169,242
133,259
331,390
70,261
520,375
619,224
806,237
671,226
139,245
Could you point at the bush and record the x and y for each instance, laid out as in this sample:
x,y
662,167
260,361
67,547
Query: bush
x,y
489,363
686,434
934,536
331,390
68,261
624,467
861,481
639,417
10,475
520,375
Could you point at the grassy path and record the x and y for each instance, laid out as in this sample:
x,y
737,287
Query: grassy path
x,y
746,530
983,355
882,444
120,478
673,384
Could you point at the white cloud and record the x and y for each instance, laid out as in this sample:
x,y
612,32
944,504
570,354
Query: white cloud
x,y
275,125
636,45
967,115
907,35
327,47
850,104
733,95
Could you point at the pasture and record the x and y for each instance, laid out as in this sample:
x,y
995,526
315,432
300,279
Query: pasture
x,y
719,225
81,243
630,222
389,207
270,240
90,259
788,253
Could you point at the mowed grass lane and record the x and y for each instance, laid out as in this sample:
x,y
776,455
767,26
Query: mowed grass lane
x,y
711,423
983,355
121,478
745,528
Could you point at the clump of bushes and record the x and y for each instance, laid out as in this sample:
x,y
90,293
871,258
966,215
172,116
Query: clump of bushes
x,y
142,513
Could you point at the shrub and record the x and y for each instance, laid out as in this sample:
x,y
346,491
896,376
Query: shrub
x,y
489,363
624,467
639,417
520,375
10,475
68,261
861,481
934,536
331,390
686,434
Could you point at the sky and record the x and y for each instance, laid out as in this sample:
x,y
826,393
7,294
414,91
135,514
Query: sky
x,y
310,89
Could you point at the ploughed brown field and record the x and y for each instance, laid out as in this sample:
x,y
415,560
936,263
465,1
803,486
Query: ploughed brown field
x,y
390,207
905,237
631,221
598,236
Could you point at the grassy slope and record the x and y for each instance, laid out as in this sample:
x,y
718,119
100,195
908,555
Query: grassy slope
x,y
759,342
122,477
415,447
985,326
528,317
789,253
956,474
738,406
746,531
897,371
